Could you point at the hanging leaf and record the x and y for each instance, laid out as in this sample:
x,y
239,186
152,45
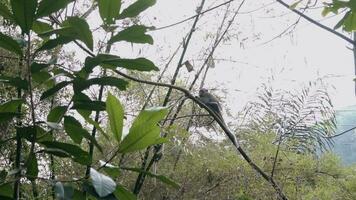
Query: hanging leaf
x,y
54,89
144,131
116,116
122,193
15,81
81,84
56,114
136,8
134,34
103,184
77,154
24,13
53,43
76,132
109,10
10,44
47,7
32,167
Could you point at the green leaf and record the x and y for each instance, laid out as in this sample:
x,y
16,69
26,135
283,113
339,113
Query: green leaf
x,y
75,130
134,34
11,106
103,184
77,154
47,7
54,89
136,8
36,67
14,81
144,131
6,190
40,27
5,12
294,5
87,118
116,116
139,64
350,22
110,169
162,178
89,105
24,13
10,44
53,43
56,114
81,84
122,193
32,167
109,10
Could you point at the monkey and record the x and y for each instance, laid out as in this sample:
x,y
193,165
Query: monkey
x,y
211,101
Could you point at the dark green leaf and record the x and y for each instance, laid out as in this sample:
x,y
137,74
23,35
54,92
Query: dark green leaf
x,y
6,190
40,27
122,193
103,184
3,174
54,89
89,105
140,64
36,67
11,106
75,130
109,10
10,44
136,8
78,154
14,81
144,131
91,190
24,13
116,116
57,152
350,22
134,34
47,7
53,43
87,118
80,84
162,178
56,114
32,167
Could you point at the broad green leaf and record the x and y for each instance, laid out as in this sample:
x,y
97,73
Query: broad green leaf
x,y
139,64
134,34
162,178
136,8
47,7
111,170
54,89
3,175
11,106
10,44
36,67
77,154
144,131
53,43
56,114
103,184
75,131
40,27
116,116
15,81
32,167
109,10
87,118
81,84
6,190
89,105
5,12
24,13
122,193
349,23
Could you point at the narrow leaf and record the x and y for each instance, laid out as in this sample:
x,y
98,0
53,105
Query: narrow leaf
x,y
24,13
136,8
122,193
32,167
109,10
47,7
116,116
134,34
10,44
54,89
56,114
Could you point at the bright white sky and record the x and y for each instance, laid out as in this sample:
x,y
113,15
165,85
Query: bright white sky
x,y
304,55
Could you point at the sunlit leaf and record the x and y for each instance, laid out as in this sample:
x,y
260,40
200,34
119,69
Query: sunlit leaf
x,y
116,116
